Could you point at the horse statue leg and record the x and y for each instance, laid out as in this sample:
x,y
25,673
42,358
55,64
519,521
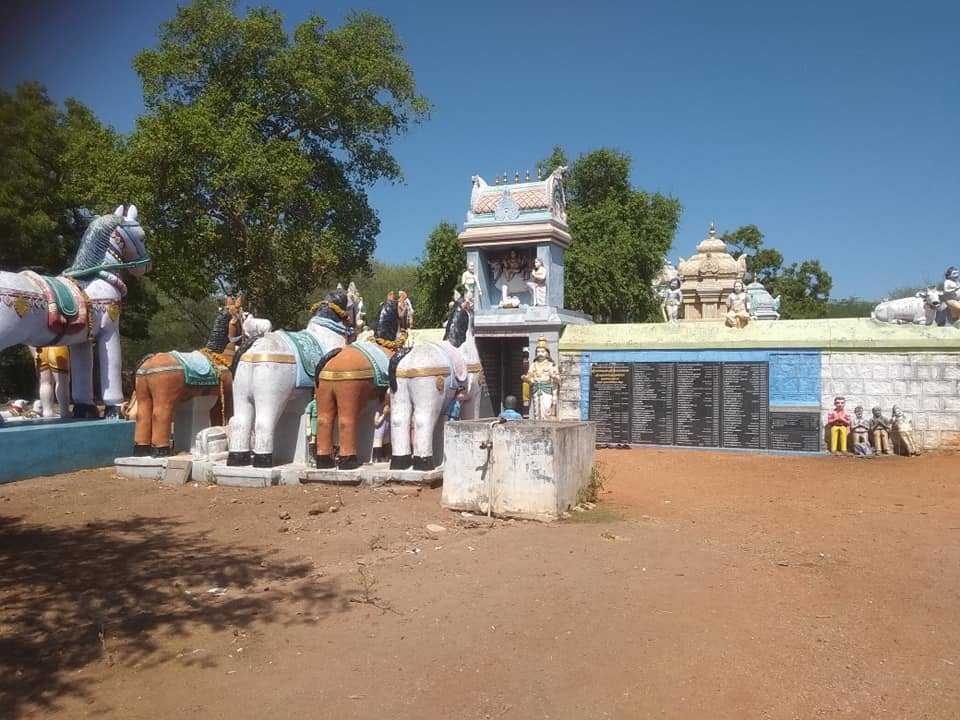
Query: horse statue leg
x,y
81,364
143,433
401,410
241,424
111,383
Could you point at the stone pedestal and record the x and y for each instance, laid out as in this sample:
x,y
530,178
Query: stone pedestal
x,y
522,469
140,468
46,446
189,419
244,476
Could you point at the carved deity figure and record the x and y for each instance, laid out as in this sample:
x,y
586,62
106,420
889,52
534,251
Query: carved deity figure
x,y
859,426
880,432
951,292
738,307
903,433
405,310
538,283
470,282
544,379
838,420
672,301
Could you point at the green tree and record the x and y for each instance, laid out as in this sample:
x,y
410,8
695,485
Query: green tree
x,y
804,287
620,237
851,307
256,149
55,171
438,274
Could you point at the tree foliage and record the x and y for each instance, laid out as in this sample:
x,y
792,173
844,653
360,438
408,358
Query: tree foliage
x,y
55,174
256,149
804,287
383,278
620,237
438,273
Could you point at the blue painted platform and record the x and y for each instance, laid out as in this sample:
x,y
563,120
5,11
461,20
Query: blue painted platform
x,y
29,448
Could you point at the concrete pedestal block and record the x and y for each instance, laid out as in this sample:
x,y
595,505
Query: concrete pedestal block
x,y
530,470
381,474
330,476
189,419
177,471
245,476
140,468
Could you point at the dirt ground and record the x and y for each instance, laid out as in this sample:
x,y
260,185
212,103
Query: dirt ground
x,y
704,585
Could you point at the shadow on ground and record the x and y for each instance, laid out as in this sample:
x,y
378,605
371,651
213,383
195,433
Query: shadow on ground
x,y
105,592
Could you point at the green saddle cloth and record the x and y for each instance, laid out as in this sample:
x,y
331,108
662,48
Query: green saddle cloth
x,y
66,302
309,352
197,369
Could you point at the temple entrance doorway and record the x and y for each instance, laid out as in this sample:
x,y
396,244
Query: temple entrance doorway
x,y
504,361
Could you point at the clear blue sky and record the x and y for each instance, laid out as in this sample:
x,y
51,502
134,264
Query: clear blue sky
x,y
830,124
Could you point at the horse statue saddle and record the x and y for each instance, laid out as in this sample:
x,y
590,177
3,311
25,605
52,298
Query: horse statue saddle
x,y
66,308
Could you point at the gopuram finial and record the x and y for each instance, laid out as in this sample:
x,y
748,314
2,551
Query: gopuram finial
x,y
516,176
713,230
505,181
496,179
527,178
539,173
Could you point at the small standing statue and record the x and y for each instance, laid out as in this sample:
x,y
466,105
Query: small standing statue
x,y
880,432
738,306
672,301
951,293
903,433
544,379
538,283
470,282
405,310
838,420
381,431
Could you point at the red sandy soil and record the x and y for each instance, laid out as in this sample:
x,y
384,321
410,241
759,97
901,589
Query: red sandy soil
x,y
703,585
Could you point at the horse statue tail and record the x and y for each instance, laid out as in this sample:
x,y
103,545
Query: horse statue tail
x,y
245,345
394,364
323,361
141,361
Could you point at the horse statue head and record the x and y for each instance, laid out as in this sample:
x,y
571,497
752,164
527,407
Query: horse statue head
x,y
335,307
218,338
388,322
458,324
111,243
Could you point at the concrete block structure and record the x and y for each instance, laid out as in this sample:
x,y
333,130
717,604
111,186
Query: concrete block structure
x,y
522,469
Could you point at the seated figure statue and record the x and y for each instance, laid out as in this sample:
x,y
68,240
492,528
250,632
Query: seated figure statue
x,y
880,432
738,307
903,433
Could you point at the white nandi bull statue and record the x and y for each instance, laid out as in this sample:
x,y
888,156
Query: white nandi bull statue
x,y
80,307
921,309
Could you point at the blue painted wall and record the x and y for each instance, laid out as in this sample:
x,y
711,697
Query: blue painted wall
x,y
32,448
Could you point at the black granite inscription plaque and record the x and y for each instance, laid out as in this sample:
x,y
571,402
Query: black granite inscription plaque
x,y
698,404
610,401
795,430
746,405
654,403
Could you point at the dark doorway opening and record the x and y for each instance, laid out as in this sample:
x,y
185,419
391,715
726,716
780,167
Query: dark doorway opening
x,y
504,362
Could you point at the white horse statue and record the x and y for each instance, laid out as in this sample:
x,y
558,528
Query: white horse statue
x,y
425,379
275,368
80,306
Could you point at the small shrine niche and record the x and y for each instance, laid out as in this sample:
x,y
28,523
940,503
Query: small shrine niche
x,y
707,277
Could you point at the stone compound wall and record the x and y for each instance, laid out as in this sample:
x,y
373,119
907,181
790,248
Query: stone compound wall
x,y
926,385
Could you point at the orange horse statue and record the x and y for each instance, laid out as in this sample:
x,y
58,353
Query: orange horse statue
x,y
349,380
165,380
